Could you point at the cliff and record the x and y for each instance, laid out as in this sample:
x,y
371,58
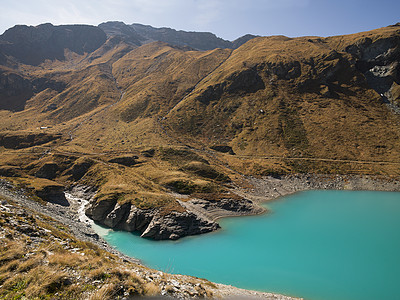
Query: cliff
x,y
197,218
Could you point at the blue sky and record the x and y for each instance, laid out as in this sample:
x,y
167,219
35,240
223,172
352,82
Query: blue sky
x,y
228,19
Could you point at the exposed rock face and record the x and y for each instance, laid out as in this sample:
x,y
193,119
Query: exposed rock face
x,y
98,210
48,171
150,222
125,32
79,169
139,34
176,225
34,44
223,207
53,193
199,217
379,62
223,149
15,89
245,81
125,160
10,171
25,140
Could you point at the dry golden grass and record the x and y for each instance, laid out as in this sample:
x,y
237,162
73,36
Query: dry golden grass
x,y
62,267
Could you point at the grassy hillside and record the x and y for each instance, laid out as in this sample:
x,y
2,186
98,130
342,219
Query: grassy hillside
x,y
276,105
301,97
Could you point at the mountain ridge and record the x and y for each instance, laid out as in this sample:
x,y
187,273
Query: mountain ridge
x,y
139,34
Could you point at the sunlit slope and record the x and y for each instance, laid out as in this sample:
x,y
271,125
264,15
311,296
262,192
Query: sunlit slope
x,y
152,79
300,97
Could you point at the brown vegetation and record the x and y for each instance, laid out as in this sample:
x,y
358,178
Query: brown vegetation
x,y
41,259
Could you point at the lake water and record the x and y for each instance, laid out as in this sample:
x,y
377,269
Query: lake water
x,y
331,245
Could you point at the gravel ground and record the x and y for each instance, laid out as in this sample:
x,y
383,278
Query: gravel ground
x,y
270,188
67,215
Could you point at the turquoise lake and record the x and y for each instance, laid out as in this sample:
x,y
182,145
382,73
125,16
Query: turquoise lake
x,y
320,245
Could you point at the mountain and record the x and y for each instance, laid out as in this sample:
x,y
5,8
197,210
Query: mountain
x,y
33,45
167,134
139,34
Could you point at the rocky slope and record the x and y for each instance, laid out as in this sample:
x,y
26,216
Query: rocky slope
x,y
300,101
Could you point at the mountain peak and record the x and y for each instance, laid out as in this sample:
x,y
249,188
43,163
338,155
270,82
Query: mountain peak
x,y
139,34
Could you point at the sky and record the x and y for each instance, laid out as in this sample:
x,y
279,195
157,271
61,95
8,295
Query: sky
x,y
228,19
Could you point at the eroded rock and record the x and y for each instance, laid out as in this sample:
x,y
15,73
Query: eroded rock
x,y
149,222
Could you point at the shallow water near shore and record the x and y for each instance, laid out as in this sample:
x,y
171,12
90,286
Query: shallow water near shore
x,y
332,245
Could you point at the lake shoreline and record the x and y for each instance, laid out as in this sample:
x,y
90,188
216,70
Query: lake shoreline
x,y
271,188
264,189
260,191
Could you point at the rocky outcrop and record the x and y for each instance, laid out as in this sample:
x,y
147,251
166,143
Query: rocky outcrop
x,y
176,225
52,192
25,140
241,82
47,170
223,149
283,70
79,169
127,161
149,222
199,215
222,206
247,81
34,44
379,62
10,171
15,90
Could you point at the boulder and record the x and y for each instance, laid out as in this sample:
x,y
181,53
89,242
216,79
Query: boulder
x,y
175,225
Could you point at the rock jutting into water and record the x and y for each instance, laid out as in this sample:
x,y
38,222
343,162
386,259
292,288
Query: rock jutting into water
x,y
199,217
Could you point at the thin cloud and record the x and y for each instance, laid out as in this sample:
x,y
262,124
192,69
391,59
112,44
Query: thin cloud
x,y
226,18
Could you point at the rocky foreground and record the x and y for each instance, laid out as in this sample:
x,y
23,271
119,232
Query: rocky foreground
x,y
52,239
